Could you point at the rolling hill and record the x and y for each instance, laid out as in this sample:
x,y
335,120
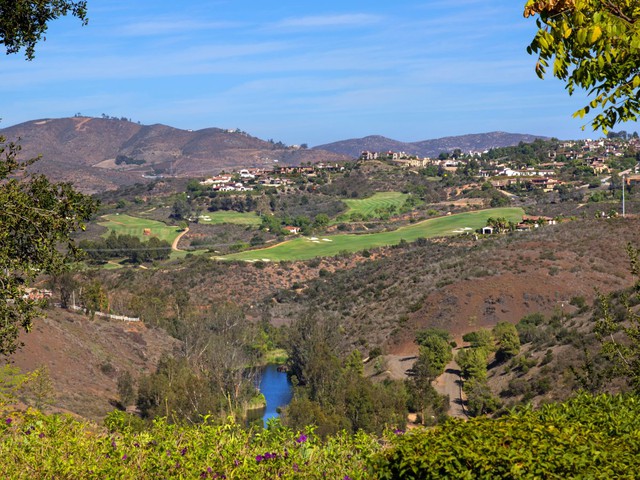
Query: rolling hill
x,y
98,154
427,148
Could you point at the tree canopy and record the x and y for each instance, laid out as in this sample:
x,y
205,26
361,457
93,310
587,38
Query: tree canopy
x,y
593,45
36,221
23,23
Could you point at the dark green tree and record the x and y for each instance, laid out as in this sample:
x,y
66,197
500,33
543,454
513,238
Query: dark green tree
x,y
37,219
507,339
23,23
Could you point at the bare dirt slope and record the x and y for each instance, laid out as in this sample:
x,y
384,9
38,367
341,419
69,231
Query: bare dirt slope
x,y
86,356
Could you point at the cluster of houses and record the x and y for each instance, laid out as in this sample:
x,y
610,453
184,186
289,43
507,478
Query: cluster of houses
x,y
248,179
595,154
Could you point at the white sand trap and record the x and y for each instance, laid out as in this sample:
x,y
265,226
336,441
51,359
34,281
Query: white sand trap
x,y
313,238
266,260
315,241
326,240
457,231
467,228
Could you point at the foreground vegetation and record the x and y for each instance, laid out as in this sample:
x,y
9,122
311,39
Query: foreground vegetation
x,y
585,437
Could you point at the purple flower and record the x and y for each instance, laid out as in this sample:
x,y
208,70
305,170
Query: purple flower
x,y
259,458
296,468
236,462
183,451
346,477
124,457
268,456
209,470
177,465
41,435
302,438
203,475
137,445
113,444
8,421
397,431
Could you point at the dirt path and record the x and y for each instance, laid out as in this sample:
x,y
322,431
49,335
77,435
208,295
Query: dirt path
x,y
450,383
397,365
174,246
81,124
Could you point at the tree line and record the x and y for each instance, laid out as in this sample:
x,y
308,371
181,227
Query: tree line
x,y
126,246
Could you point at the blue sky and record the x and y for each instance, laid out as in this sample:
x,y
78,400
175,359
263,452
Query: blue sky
x,y
297,72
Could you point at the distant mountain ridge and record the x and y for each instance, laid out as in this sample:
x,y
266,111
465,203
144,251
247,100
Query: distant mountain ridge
x,y
98,154
428,148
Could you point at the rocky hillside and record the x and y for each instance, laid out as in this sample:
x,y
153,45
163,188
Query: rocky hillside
x,y
428,148
98,154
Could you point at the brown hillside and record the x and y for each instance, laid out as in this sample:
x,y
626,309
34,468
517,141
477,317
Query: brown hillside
x,y
86,356
83,150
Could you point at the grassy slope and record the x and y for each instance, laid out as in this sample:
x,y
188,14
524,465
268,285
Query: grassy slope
x,y
127,225
248,218
304,248
369,205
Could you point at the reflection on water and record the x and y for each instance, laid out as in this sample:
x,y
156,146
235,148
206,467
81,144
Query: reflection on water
x,y
276,388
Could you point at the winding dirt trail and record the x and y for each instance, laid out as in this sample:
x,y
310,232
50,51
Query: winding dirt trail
x,y
174,245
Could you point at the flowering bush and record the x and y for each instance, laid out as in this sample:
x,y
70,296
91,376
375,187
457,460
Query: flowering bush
x,y
587,437
34,445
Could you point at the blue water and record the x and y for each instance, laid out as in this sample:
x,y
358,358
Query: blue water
x,y
277,390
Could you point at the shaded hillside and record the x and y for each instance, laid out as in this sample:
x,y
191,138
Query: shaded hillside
x,y
428,148
98,154
85,357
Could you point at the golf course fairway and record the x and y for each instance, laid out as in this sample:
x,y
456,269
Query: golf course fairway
x,y
304,248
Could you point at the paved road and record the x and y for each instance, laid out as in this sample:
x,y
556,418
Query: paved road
x,y
449,383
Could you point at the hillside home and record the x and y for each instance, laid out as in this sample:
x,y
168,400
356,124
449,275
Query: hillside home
x,y
292,230
632,180
545,183
600,167
527,173
219,180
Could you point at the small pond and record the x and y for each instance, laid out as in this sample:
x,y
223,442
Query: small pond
x,y
277,390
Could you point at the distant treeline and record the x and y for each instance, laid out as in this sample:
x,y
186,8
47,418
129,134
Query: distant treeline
x,y
120,159
127,246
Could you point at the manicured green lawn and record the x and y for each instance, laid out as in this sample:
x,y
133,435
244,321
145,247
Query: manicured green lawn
x,y
127,225
368,206
303,248
215,218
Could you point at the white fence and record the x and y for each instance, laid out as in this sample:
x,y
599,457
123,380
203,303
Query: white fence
x,y
109,315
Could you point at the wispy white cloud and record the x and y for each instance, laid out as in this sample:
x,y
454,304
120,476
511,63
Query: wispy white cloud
x,y
171,26
330,21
